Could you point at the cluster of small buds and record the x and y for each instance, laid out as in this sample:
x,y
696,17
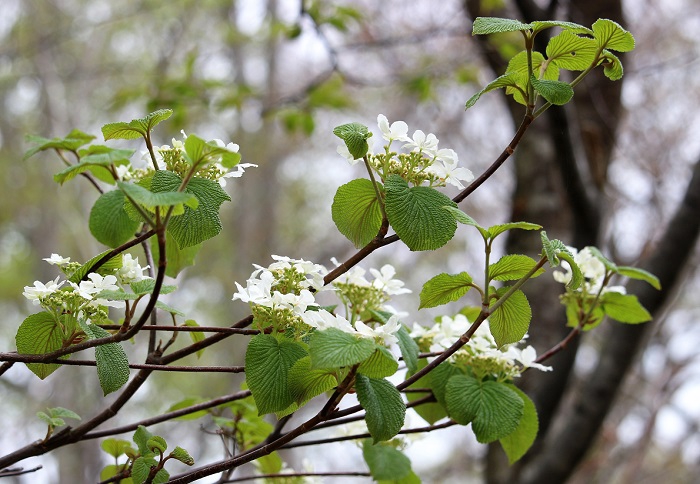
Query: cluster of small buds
x,y
593,272
480,354
83,297
283,295
424,163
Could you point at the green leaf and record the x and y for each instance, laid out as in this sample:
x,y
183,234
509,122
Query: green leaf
x,y
105,269
177,259
444,288
385,462
493,409
194,225
539,25
639,274
508,80
357,212
267,364
555,92
112,362
612,67
98,163
112,470
63,413
39,334
195,336
624,308
465,219
610,35
517,443
141,436
136,127
355,136
496,230
305,382
430,412
50,421
147,286
169,309
157,444
269,464
512,268
409,349
333,348
109,222
188,402
554,250
510,321
439,377
417,216
73,140
493,25
142,468
570,51
200,152
150,200
381,364
609,265
182,455
116,447
384,409
518,66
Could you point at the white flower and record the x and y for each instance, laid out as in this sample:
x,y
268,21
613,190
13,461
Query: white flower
x,y
344,152
236,172
233,147
448,171
124,172
257,291
322,319
527,357
592,268
355,276
57,260
386,332
397,131
41,290
130,270
422,143
448,331
383,280
96,284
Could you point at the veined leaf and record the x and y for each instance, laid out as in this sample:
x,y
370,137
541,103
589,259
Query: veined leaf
x,y
381,364
510,321
430,412
625,308
333,348
517,66
570,51
611,36
539,25
357,212
112,362
409,348
493,409
496,230
306,382
612,67
198,224
385,462
517,443
200,152
136,127
150,199
640,274
109,223
512,268
105,269
182,455
508,80
195,336
555,92
178,259
355,136
73,140
384,409
267,363
444,288
39,334
494,25
417,214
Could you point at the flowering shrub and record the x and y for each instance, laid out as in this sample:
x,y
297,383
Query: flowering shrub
x,y
463,368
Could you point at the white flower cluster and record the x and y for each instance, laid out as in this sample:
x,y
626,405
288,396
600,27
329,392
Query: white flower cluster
x,y
441,164
288,286
593,271
87,290
481,350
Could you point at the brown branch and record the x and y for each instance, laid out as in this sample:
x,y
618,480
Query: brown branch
x,y
18,471
298,474
192,329
136,366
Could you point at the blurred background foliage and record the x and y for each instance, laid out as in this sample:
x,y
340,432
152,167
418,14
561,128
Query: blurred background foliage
x,y
275,77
